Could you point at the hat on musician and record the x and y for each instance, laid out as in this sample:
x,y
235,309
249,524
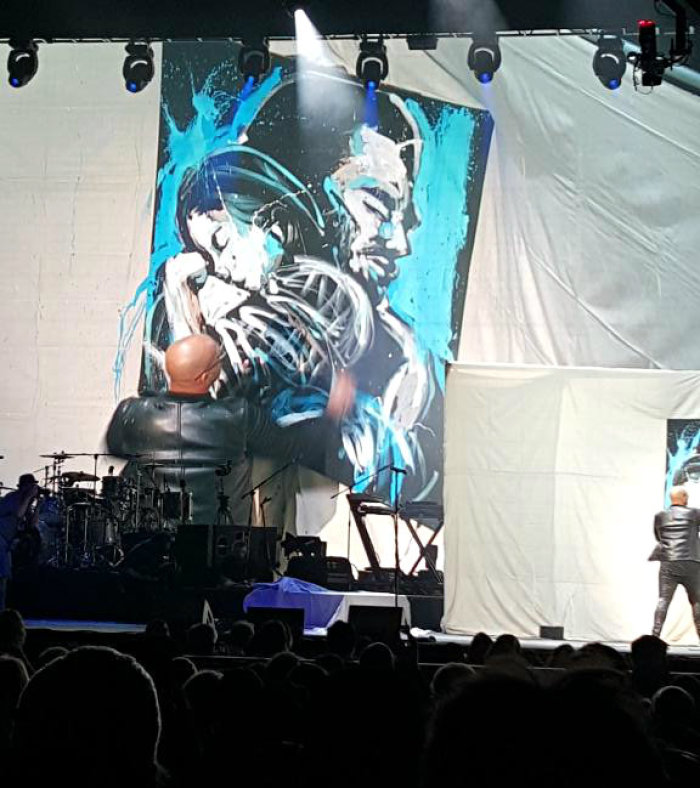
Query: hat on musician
x,y
26,480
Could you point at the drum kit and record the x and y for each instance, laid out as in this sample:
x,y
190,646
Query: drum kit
x,y
83,517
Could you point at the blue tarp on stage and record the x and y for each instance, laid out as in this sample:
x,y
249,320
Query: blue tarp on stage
x,y
319,604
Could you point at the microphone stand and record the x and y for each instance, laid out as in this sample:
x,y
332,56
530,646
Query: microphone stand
x,y
251,494
359,481
395,517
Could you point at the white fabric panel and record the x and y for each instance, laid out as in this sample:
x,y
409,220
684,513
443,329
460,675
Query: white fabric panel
x,y
553,477
77,177
587,243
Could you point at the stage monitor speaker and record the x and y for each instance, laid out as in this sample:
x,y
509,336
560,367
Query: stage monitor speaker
x,y
339,574
200,548
312,569
293,617
192,551
378,623
552,633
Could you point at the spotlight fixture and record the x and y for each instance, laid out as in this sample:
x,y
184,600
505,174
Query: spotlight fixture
x,y
484,58
138,67
254,60
610,62
372,64
649,62
22,63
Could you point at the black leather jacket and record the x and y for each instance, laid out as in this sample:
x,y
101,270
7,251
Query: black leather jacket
x,y
193,435
676,531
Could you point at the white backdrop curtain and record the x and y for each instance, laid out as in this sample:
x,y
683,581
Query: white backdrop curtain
x,y
552,480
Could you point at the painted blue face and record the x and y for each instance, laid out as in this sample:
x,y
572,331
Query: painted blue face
x,y
244,254
373,188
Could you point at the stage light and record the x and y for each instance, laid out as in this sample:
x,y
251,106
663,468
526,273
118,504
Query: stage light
x,y
371,107
372,64
648,61
22,63
610,62
138,67
254,60
484,58
311,49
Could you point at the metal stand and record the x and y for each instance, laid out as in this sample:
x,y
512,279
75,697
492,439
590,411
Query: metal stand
x,y
395,516
223,512
251,494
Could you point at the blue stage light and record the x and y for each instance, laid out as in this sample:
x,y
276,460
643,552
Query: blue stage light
x,y
371,107
484,57
22,62
253,61
372,64
610,62
138,69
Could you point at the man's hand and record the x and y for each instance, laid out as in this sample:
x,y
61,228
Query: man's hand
x,y
342,396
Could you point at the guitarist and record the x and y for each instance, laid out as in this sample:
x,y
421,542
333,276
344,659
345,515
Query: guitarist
x,y
13,513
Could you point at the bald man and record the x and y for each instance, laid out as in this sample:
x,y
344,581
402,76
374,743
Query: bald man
x,y
678,553
190,432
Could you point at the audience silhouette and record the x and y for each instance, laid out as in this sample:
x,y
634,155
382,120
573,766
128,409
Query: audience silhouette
x,y
350,717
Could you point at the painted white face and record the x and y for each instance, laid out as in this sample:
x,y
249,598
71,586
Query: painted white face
x,y
374,187
242,254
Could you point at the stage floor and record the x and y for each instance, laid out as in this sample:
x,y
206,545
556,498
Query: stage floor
x,y
536,644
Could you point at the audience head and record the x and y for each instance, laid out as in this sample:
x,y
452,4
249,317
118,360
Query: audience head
x,y
50,654
201,640
561,656
479,648
450,678
280,666
157,628
13,680
90,717
271,638
12,631
505,646
240,635
181,669
308,675
601,656
673,705
341,639
377,656
649,651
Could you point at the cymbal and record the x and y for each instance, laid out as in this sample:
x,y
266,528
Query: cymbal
x,y
214,462
61,455
79,476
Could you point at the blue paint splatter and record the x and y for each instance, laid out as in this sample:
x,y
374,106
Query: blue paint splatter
x,y
686,446
423,292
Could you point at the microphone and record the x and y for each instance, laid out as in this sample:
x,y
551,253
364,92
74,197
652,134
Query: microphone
x,y
398,470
